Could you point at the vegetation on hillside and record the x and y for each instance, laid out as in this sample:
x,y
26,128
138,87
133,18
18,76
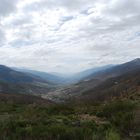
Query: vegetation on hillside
x,y
82,121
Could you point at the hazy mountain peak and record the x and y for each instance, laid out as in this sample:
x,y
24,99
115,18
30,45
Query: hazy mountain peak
x,y
136,60
3,67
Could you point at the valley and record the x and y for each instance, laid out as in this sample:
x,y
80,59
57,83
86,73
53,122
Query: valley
x,y
102,84
69,69
100,105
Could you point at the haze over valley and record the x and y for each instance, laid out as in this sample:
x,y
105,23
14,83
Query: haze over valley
x,y
69,69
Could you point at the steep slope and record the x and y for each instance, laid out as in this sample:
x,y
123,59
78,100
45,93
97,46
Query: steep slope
x,y
12,81
116,70
11,76
125,85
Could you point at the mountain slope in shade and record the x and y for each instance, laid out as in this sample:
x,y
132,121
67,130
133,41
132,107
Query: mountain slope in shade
x,y
12,81
91,82
11,76
127,84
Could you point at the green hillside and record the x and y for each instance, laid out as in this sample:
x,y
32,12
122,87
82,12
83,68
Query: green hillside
x,y
114,120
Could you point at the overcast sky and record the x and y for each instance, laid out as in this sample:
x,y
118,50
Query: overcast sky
x,y
68,35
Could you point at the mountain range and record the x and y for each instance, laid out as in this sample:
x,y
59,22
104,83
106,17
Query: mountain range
x,y
97,83
101,84
12,81
105,100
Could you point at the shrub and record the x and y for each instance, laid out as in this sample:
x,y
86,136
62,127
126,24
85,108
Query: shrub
x,y
112,135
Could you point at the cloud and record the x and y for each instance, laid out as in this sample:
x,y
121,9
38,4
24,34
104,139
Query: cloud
x,y
68,35
2,37
72,5
123,8
7,6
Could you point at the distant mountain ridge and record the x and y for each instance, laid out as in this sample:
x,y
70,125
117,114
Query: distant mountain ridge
x,y
62,88
12,81
94,80
43,75
18,80
61,79
11,76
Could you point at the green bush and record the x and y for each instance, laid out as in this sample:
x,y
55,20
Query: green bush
x,y
63,122
112,135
